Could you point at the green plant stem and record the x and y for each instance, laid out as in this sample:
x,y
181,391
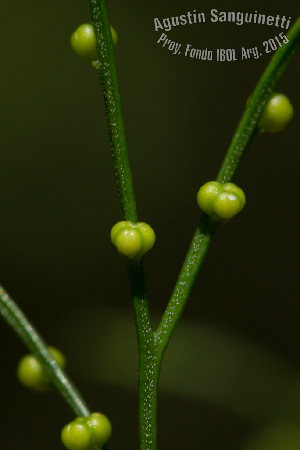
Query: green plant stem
x,y
17,320
247,127
187,276
148,367
107,71
246,130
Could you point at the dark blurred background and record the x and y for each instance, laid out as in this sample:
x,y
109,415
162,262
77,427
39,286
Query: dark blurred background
x,y
231,371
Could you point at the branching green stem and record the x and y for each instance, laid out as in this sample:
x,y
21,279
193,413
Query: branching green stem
x,y
152,345
187,276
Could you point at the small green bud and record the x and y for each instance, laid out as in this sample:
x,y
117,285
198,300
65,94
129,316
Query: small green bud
x,y
277,113
132,239
221,201
87,433
76,435
31,373
101,428
84,42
